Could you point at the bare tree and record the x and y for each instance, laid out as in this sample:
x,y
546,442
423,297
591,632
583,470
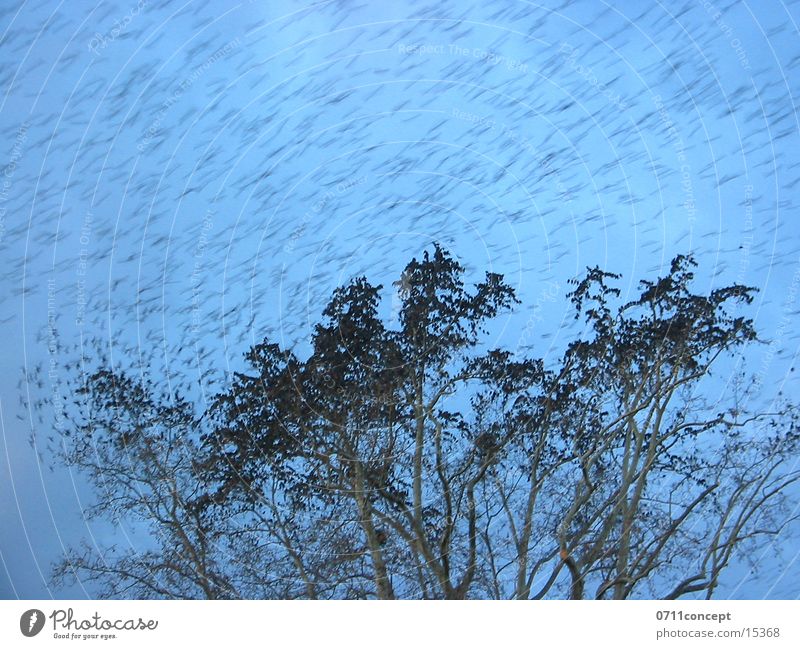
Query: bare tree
x,y
139,450
416,462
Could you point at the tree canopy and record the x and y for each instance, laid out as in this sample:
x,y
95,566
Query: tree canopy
x,y
414,461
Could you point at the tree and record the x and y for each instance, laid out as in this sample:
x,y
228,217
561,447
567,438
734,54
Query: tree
x,y
139,451
417,462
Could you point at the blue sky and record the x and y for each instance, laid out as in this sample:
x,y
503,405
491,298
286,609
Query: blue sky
x,y
181,180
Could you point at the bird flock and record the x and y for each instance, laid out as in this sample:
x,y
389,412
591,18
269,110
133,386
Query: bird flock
x,y
181,180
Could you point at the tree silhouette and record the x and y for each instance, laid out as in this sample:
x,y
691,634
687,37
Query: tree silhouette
x,y
417,462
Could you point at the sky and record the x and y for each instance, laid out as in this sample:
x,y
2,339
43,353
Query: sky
x,y
180,180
